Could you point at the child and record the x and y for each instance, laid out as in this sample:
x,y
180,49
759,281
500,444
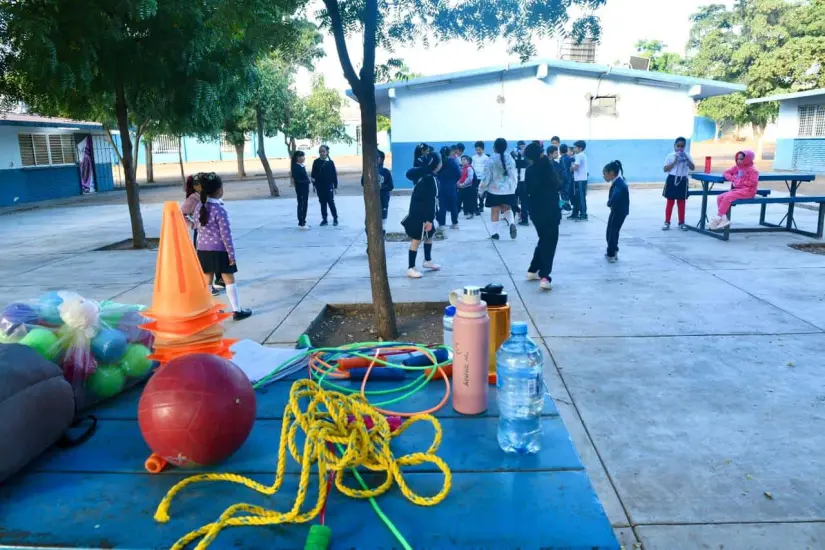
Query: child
x,y
522,208
558,170
386,186
299,175
479,167
325,180
419,222
466,192
619,203
216,251
566,161
448,177
677,165
543,190
499,184
555,141
193,198
580,181
744,181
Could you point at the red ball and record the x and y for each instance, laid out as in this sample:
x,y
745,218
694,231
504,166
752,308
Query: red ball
x,y
197,410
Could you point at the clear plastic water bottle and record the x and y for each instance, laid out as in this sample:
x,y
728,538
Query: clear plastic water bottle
x,y
449,317
520,385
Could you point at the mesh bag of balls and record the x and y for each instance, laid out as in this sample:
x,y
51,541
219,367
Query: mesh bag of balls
x,y
99,345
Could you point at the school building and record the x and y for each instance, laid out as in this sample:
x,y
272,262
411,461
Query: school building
x,y
624,114
800,139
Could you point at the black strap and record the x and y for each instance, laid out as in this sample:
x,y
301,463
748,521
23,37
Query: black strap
x,y
67,441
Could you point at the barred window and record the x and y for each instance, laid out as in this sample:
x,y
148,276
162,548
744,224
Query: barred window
x,y
165,144
46,149
812,121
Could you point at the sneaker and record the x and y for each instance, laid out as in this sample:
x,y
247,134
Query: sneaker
x,y
413,273
454,226
666,226
582,219
432,266
468,216
241,315
513,231
714,223
723,223
494,236
323,223
612,259
335,223
524,223
573,217
683,227
215,292
532,276
567,207
545,284
304,227
220,283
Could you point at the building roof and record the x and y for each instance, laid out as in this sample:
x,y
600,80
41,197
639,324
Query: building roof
x,y
783,97
17,119
705,88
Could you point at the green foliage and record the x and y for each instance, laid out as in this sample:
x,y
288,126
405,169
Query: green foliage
x,y
323,114
773,46
660,60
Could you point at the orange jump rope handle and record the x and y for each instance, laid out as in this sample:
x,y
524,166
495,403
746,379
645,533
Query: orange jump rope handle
x,y
155,464
448,370
347,363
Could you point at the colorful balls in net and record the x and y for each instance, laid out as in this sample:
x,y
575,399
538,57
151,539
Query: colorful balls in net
x,y
197,410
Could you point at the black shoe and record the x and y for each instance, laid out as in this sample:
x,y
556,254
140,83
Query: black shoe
x,y
567,207
241,315
524,223
220,282
581,219
494,236
513,231
215,292
335,223
323,223
573,217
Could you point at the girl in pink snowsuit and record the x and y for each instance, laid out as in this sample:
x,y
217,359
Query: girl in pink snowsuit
x,y
744,180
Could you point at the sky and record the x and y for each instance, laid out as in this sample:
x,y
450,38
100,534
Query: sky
x,y
623,23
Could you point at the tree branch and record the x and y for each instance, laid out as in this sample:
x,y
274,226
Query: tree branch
x,y
114,145
337,27
370,23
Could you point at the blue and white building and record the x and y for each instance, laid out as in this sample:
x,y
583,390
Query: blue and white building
x,y
800,138
624,114
49,158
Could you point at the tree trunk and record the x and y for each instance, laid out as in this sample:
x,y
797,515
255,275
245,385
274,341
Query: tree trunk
x,y
273,187
132,192
180,160
239,148
150,167
716,132
290,151
759,136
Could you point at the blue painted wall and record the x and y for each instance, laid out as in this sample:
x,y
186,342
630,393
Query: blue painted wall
x,y
24,185
783,157
703,129
642,159
104,178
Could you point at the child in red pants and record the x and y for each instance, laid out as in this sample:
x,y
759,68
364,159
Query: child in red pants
x,y
744,181
677,165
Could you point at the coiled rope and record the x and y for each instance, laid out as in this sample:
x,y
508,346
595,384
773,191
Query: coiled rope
x,y
330,420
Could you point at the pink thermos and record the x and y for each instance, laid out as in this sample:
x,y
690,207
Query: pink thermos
x,y
471,351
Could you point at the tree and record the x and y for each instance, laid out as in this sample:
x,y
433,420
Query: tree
x,y
316,117
131,63
384,23
773,46
660,60
235,131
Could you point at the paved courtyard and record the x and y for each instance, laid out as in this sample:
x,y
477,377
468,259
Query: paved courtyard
x,y
687,373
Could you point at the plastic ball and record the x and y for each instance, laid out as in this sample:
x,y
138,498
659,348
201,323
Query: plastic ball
x,y
197,410
48,306
135,361
128,325
146,338
43,341
15,315
106,381
109,345
78,364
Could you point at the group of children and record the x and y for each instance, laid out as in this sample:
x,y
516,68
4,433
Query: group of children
x,y
324,180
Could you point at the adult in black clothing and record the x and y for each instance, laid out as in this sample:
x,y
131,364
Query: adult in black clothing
x,y
523,208
301,178
419,223
543,193
325,181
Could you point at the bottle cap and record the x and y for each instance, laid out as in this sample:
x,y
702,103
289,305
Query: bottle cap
x,y
471,295
449,311
494,295
518,327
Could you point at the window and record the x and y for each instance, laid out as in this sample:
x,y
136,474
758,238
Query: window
x,y
603,105
812,121
165,144
46,149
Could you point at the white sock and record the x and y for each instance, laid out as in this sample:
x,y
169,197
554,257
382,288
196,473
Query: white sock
x,y
232,294
508,217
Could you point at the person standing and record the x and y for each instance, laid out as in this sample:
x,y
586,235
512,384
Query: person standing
x,y
580,181
419,223
567,190
466,193
499,184
677,165
301,179
543,187
619,203
480,160
325,180
522,205
448,178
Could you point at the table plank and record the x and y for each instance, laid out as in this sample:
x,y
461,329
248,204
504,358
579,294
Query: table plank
x,y
717,177
491,510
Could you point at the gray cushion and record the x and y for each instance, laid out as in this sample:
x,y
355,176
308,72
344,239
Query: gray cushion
x,y
36,406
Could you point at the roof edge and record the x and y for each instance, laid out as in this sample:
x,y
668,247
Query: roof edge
x,y
783,97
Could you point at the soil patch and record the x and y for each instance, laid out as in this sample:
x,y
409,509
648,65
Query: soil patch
x,y
344,324
403,237
813,248
152,243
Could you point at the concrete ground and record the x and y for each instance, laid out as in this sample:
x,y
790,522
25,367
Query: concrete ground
x,y
687,373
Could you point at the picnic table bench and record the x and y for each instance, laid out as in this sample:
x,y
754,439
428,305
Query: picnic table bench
x,y
762,198
98,494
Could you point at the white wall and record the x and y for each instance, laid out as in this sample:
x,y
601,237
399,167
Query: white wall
x,y
538,109
10,148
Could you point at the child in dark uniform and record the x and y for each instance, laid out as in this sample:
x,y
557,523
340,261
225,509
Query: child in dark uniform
x,y
419,223
301,178
325,180
619,203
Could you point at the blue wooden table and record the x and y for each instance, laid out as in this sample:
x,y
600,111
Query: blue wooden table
x,y
792,181
98,495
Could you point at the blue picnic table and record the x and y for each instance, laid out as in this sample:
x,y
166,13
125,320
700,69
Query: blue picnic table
x,y
792,181
98,494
